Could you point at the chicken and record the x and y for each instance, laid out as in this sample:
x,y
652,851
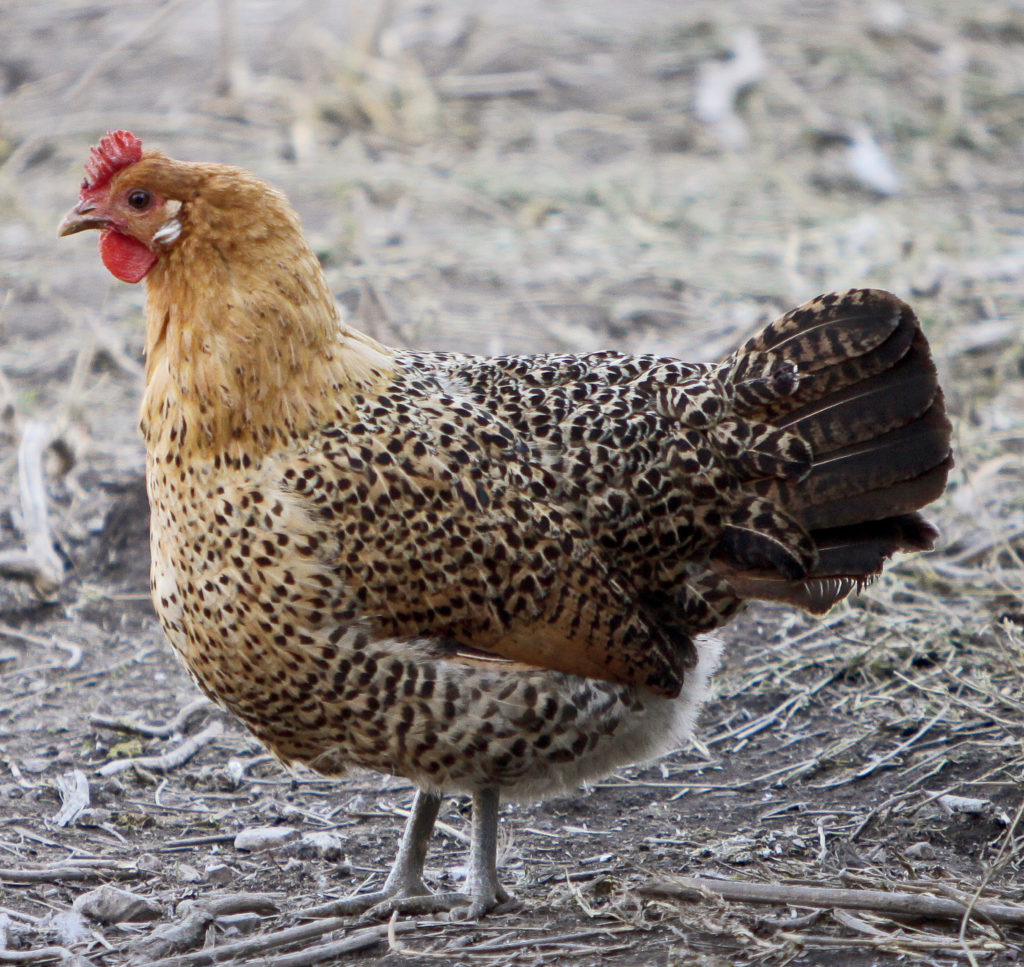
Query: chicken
x,y
493,576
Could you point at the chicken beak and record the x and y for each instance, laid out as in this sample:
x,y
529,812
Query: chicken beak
x,y
80,218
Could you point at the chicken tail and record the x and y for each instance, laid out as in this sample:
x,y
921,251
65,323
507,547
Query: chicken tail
x,y
847,439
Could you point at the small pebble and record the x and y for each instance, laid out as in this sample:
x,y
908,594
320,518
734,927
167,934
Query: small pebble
x,y
318,846
109,904
265,837
187,873
218,874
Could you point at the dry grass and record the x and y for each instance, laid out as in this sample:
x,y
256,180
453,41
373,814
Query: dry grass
x,y
536,178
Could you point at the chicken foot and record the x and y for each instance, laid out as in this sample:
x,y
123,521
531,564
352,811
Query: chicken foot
x,y
405,892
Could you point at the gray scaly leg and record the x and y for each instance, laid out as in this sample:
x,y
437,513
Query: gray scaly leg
x,y
482,886
405,892
406,876
405,881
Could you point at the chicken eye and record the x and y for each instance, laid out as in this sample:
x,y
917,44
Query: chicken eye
x,y
139,199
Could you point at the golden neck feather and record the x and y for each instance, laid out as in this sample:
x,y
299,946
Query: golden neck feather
x,y
245,350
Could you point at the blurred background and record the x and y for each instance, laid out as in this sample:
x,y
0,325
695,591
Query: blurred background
x,y
651,175
544,175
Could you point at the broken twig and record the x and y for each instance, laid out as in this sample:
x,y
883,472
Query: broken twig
x,y
897,904
169,760
356,940
165,731
71,873
38,562
190,930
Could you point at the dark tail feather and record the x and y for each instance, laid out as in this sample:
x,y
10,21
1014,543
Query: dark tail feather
x,y
897,472
865,409
866,400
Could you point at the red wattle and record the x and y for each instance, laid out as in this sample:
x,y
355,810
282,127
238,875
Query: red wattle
x,y
127,259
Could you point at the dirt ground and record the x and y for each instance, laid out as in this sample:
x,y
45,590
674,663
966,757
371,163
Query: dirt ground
x,y
651,176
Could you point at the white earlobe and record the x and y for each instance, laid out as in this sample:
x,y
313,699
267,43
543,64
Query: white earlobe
x,y
168,232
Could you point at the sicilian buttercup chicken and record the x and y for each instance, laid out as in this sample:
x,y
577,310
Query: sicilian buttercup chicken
x,y
491,575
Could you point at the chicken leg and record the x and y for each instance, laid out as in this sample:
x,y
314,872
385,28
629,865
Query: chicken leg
x,y
483,890
404,890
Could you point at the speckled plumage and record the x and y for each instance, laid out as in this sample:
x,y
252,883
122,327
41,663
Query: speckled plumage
x,y
297,588
487,574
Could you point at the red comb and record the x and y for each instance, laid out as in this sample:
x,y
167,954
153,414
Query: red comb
x,y
115,151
